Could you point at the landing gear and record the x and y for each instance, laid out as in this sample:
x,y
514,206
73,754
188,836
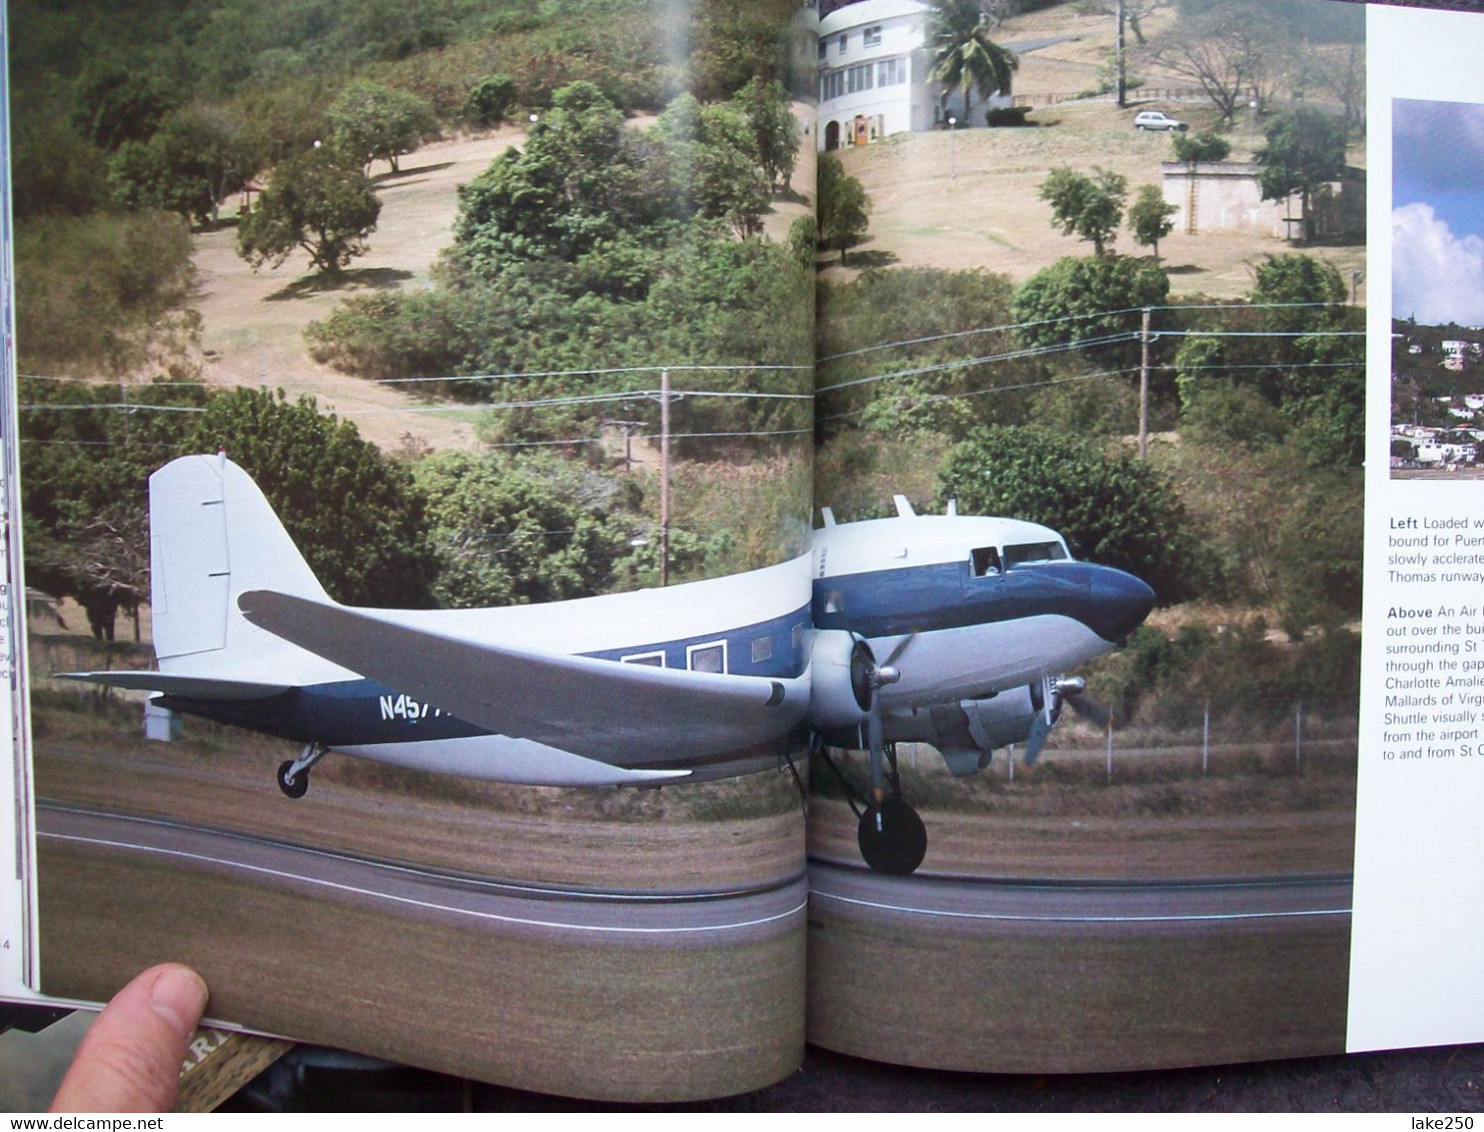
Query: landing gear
x,y
294,785
293,774
891,836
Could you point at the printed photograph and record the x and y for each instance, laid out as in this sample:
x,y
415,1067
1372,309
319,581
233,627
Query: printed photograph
x,y
416,451
1100,279
1437,290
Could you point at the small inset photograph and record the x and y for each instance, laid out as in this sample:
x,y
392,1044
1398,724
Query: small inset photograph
x,y
1437,290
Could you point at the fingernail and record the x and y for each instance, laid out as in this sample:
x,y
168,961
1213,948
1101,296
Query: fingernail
x,y
179,997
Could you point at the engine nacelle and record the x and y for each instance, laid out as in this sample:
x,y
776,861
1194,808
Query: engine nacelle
x,y
840,692
968,732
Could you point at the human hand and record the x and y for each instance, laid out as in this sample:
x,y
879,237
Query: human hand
x,y
130,1059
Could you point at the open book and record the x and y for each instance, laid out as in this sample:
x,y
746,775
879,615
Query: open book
x,y
840,524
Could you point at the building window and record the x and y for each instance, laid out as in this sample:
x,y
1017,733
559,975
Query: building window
x,y
824,49
891,72
844,42
858,78
831,85
872,37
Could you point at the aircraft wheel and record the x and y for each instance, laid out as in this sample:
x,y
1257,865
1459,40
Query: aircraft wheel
x,y
899,846
294,785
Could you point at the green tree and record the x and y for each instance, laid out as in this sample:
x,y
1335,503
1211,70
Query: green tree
x,y
86,466
1090,208
731,183
351,510
114,103
582,179
770,114
842,206
508,531
1305,149
490,101
369,121
197,157
1194,149
315,203
1150,217
1112,509
1082,298
963,56
1317,552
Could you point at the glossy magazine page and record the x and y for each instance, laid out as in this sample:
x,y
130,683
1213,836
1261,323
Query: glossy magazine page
x,y
1104,286
414,424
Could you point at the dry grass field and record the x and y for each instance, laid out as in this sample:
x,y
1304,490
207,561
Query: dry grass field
x,y
968,200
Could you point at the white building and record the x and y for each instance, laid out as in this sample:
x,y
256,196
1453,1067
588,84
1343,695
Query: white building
x,y
1457,352
873,75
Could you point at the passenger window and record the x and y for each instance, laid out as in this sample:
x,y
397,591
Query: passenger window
x,y
762,649
708,658
651,659
984,562
834,601
1028,552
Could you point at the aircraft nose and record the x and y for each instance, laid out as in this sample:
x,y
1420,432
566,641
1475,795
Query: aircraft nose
x,y
1120,602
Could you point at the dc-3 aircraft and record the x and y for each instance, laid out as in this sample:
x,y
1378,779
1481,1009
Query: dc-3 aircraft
x,y
949,630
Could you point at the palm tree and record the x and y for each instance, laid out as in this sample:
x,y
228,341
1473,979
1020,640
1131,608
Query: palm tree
x,y
963,55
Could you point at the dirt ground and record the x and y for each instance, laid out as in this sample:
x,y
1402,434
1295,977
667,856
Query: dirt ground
x,y
253,321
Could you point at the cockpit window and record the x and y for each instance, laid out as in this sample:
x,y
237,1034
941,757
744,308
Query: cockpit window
x,y
984,561
1033,552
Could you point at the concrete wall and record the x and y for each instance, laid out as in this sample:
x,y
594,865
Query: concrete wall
x,y
1224,196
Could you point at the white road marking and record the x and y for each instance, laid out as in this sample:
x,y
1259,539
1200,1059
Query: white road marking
x,y
336,885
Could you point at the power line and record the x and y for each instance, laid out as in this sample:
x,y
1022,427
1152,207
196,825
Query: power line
x,y
926,398
1012,355
1066,318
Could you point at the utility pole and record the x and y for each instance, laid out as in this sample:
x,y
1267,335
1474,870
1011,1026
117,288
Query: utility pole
x,y
664,477
1118,62
1144,388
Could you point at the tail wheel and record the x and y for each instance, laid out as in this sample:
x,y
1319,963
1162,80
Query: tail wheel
x,y
294,785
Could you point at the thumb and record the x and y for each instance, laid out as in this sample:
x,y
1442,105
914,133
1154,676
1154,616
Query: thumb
x,y
130,1059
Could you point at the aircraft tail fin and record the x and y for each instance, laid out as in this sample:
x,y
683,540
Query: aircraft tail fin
x,y
212,536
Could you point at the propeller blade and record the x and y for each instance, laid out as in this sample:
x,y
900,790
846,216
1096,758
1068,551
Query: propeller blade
x,y
897,652
1036,739
1090,709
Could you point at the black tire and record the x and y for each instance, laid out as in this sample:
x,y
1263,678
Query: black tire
x,y
899,846
294,785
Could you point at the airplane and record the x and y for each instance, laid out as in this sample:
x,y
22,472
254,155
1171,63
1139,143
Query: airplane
x,y
975,620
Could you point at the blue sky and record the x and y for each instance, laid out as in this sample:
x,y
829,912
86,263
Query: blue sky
x,y
1438,211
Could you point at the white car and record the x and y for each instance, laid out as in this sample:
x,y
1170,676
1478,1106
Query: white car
x,y
1157,120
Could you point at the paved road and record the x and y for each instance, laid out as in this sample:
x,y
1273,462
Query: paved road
x,y
884,898
708,918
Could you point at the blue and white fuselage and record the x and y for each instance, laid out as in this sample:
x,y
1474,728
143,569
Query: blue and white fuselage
x,y
939,615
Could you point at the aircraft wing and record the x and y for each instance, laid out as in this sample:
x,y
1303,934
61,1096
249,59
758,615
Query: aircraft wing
x,y
599,708
197,687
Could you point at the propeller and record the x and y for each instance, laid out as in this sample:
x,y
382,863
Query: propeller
x,y
1052,693
1074,695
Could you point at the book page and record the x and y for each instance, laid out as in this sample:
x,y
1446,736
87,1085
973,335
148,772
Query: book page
x,y
1414,977
1093,304
415,446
